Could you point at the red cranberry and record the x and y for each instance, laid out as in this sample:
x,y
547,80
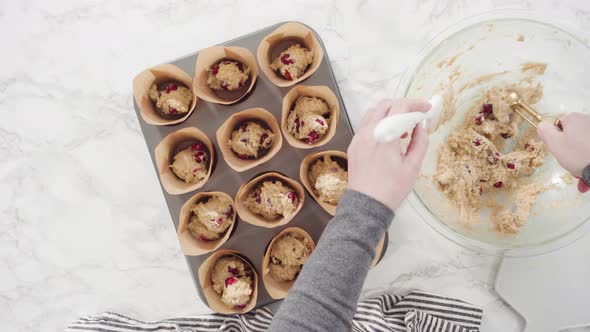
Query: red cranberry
x,y
240,83
285,59
263,137
486,109
244,127
288,75
198,147
215,70
171,87
477,142
240,66
224,85
229,213
510,165
478,120
173,110
312,137
240,306
297,125
320,122
480,190
204,238
244,140
230,281
243,156
497,154
291,196
499,184
196,170
233,270
218,222
200,156
505,135
226,62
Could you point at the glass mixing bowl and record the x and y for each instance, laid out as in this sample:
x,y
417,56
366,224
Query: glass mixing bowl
x,y
490,44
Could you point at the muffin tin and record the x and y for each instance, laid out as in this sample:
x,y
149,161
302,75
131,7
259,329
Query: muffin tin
x,y
250,240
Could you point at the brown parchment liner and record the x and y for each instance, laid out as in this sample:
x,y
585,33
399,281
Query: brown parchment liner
x,y
212,55
254,219
305,169
158,75
214,299
279,289
163,154
378,251
290,30
190,245
322,92
224,132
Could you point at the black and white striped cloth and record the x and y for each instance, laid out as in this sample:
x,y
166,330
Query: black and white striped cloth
x,y
415,312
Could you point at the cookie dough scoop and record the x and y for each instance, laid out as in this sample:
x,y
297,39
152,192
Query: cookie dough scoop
x,y
525,111
393,127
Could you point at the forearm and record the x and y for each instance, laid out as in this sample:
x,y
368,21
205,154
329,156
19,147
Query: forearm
x,y
326,292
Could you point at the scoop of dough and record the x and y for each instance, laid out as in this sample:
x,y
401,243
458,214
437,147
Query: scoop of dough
x,y
228,75
190,164
250,139
173,99
287,256
211,218
231,278
293,62
329,180
309,127
272,199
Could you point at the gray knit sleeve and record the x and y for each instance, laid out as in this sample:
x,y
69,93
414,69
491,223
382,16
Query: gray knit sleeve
x,y
326,292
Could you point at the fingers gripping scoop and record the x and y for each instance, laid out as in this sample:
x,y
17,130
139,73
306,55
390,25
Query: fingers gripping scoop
x,y
394,126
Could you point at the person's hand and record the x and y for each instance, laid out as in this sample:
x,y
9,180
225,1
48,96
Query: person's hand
x,y
571,147
382,170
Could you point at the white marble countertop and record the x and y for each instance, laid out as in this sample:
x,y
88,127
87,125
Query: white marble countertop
x,y
83,225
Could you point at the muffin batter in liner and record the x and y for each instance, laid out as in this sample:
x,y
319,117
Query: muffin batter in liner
x,y
250,217
322,92
159,75
192,246
277,289
224,133
214,299
305,170
211,56
172,144
283,37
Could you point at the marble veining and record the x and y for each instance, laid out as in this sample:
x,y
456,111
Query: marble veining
x,y
83,224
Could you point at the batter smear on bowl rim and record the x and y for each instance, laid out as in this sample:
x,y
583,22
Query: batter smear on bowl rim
x,y
493,154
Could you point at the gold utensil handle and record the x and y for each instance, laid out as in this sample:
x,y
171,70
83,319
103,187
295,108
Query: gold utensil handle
x,y
521,107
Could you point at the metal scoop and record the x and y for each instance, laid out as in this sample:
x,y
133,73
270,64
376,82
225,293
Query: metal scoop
x,y
528,113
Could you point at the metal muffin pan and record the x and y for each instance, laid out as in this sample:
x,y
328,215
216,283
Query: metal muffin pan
x,y
250,240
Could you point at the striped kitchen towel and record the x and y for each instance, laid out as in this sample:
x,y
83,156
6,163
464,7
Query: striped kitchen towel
x,y
415,312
